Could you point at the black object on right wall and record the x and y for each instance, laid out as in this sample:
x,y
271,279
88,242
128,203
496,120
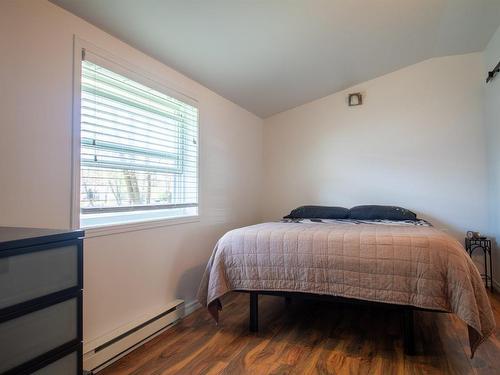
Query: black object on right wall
x,y
493,73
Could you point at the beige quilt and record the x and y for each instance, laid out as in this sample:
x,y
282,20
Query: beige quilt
x,y
399,264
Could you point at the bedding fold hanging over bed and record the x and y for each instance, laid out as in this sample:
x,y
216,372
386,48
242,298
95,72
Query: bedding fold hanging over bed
x,y
413,265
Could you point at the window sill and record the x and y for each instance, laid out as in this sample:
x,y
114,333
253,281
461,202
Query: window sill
x,y
111,229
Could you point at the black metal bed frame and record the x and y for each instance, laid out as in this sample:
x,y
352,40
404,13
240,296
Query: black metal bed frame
x,y
407,311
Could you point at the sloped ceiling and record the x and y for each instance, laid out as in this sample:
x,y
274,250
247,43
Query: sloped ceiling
x,y
272,55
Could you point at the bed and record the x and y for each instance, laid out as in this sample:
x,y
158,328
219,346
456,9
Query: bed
x,y
405,263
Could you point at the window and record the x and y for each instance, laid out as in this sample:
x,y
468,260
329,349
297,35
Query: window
x,y
138,149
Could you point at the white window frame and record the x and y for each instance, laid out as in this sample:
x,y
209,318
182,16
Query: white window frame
x,y
137,74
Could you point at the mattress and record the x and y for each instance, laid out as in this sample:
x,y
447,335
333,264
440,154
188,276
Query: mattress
x,y
404,263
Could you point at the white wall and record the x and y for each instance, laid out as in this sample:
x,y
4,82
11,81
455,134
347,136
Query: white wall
x,y
126,275
492,119
417,141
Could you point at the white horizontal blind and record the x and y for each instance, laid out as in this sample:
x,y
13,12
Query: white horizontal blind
x,y
139,146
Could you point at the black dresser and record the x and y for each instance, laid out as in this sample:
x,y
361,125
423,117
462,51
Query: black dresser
x,y
41,281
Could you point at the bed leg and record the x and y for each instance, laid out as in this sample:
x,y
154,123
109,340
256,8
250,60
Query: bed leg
x,y
254,311
408,332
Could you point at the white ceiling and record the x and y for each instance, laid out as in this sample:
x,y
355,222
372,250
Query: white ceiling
x,y
272,55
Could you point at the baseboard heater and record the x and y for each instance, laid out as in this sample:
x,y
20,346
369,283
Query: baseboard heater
x,y
107,349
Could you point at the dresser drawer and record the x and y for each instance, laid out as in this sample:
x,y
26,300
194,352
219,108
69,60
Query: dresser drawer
x,y
67,365
38,271
26,337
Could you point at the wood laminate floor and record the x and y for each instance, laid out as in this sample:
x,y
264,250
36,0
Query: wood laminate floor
x,y
311,337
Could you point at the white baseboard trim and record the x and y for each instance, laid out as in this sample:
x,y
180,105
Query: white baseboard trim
x,y
96,361
90,345
191,307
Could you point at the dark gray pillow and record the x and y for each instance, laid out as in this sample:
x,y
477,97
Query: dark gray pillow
x,y
381,213
318,212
